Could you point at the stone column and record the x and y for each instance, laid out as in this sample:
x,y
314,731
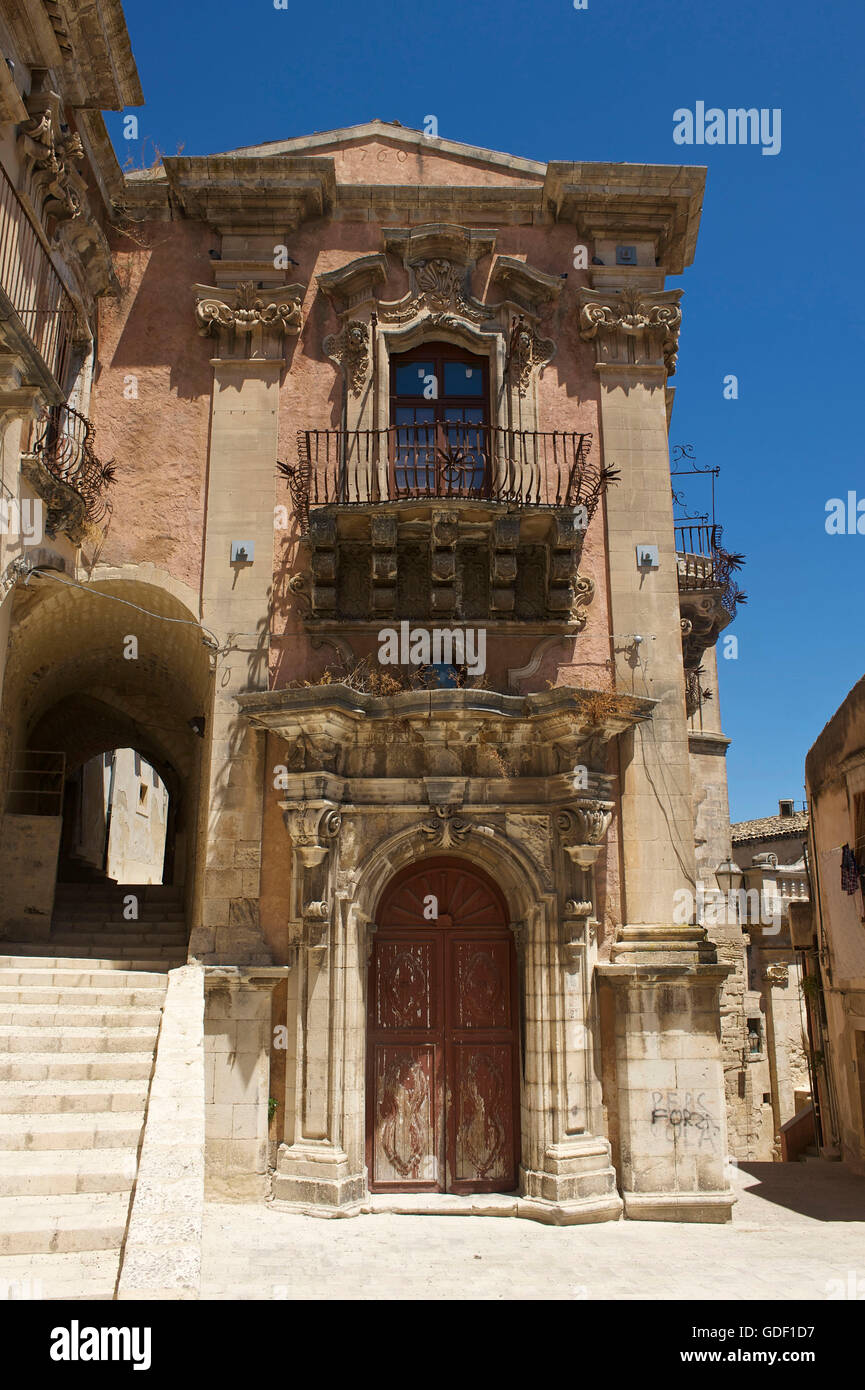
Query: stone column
x,y
663,972
250,327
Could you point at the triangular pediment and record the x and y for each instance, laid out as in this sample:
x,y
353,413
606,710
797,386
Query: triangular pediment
x,y
386,152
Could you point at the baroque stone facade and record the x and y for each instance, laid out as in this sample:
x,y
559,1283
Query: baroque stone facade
x,y
436,900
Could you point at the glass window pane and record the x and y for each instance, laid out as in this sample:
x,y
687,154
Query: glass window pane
x,y
412,378
463,380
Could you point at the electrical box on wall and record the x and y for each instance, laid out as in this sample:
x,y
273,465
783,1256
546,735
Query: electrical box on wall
x,y
242,552
626,255
647,557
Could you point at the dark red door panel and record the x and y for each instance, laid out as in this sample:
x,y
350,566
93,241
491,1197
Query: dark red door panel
x,y
442,1078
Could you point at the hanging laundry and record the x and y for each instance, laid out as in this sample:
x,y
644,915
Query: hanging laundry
x,y
849,870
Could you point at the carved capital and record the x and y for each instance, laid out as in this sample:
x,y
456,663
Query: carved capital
x,y
615,318
582,829
246,309
311,824
777,975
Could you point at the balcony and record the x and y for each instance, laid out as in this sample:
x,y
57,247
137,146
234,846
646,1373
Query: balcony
x,y
64,469
444,461
447,518
39,318
708,596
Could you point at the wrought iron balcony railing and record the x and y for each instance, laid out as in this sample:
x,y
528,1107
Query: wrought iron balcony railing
x,y
32,287
449,459
703,563
63,442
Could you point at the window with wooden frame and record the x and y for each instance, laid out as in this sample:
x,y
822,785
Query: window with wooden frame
x,y
439,423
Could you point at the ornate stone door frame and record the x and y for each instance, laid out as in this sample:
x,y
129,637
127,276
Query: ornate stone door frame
x,y
565,1176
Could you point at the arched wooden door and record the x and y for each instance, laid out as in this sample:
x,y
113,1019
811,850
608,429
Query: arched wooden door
x,y
442,1057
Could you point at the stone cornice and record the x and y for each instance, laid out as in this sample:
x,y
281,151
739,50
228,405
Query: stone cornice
x,y
660,202
243,194
560,712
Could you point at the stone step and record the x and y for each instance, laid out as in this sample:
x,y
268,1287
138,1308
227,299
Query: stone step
x,y
69,960
53,1097
22,973
97,1130
109,942
58,1041
71,1170
77,1066
86,1274
80,996
56,1225
104,1015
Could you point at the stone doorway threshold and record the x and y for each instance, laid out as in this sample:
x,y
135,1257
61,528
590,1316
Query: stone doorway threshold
x,y
490,1204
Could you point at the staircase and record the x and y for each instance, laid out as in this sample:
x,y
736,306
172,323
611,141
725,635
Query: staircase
x,y
79,1020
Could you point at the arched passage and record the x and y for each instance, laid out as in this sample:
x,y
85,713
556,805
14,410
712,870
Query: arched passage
x,y
443,1037
95,668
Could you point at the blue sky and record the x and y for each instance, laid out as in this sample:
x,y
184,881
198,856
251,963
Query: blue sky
x,y
774,296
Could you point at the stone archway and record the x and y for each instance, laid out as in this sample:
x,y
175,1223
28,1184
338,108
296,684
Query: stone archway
x,y
443,1073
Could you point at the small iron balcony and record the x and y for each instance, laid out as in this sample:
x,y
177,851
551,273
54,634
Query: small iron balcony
x,y
63,442
448,460
31,290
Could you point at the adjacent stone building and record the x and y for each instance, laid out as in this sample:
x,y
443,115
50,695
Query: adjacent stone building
x,y
831,935
770,852
383,581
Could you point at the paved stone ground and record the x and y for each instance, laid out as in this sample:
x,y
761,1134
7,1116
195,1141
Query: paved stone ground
x,y
796,1227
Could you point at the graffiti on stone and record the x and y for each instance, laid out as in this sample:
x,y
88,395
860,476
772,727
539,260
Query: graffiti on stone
x,y
684,1121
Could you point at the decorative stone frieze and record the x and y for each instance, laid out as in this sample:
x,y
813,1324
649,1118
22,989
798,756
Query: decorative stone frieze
x,y
446,829
632,324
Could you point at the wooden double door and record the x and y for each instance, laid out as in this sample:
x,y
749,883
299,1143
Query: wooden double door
x,y
442,1046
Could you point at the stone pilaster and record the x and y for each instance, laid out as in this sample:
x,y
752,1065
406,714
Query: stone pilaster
x,y
249,327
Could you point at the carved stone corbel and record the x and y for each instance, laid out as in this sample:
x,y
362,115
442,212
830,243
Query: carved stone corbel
x,y
575,930
349,349
57,188
527,351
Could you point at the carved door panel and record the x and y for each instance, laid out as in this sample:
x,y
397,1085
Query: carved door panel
x,y
481,1084
442,1082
